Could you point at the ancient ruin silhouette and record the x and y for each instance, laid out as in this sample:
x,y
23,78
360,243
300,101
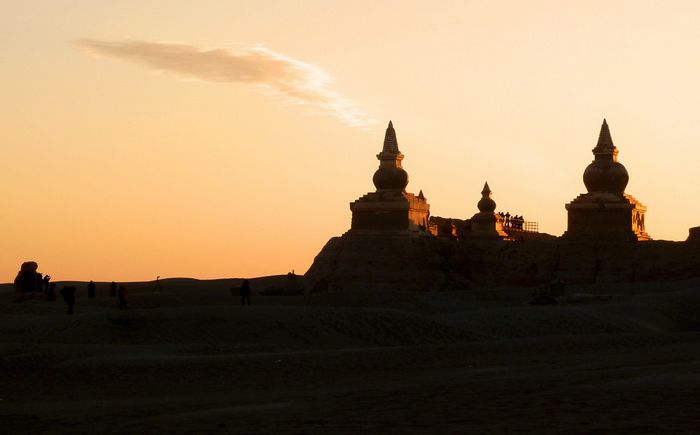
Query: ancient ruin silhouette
x,y
395,243
390,208
486,224
606,212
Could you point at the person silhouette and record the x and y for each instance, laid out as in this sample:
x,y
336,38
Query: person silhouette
x,y
68,293
91,290
507,219
245,292
47,278
122,297
51,293
158,283
113,289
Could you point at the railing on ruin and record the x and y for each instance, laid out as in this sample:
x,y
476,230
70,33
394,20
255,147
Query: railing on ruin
x,y
527,226
531,227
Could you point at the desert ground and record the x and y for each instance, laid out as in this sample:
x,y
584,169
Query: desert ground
x,y
189,359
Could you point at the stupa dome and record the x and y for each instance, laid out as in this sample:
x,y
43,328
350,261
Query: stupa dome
x,y
486,204
390,179
390,175
605,173
606,176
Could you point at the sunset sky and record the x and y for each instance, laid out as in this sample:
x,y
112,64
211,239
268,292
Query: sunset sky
x,y
227,138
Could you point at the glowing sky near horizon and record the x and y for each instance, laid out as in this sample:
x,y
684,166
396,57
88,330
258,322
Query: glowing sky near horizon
x,y
226,139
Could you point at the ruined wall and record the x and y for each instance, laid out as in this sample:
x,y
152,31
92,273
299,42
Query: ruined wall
x,y
435,264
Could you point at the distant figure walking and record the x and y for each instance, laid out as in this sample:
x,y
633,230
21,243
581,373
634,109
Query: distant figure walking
x,y
122,297
113,289
91,290
158,283
51,293
47,278
68,293
245,292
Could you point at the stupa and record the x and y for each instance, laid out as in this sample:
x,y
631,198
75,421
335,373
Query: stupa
x,y
487,224
606,212
390,210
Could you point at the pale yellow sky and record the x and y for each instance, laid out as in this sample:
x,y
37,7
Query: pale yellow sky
x,y
242,162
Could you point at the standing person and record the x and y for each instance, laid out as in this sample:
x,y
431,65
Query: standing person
x,y
51,293
122,297
68,293
158,283
47,278
245,292
91,290
113,289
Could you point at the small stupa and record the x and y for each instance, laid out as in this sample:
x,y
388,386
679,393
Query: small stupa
x,y
606,212
487,224
390,210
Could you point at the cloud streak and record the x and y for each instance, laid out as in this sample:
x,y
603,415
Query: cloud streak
x,y
298,82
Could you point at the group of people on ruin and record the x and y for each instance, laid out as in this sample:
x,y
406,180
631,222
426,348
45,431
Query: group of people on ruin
x,y
515,222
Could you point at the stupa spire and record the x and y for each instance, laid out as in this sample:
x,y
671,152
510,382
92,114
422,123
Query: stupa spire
x,y
605,174
605,146
487,190
390,175
391,145
486,204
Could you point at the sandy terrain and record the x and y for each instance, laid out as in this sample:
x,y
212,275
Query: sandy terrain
x,y
189,359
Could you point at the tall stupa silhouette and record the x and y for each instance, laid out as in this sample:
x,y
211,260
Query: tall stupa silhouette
x,y
606,212
486,224
390,210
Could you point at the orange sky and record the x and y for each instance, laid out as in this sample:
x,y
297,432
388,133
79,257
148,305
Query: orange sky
x,y
221,139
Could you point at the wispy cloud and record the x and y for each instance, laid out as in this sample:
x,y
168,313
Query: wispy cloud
x,y
299,82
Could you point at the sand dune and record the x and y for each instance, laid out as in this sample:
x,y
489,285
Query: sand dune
x,y
189,359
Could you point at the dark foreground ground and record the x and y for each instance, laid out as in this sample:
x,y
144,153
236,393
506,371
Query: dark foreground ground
x,y
188,359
